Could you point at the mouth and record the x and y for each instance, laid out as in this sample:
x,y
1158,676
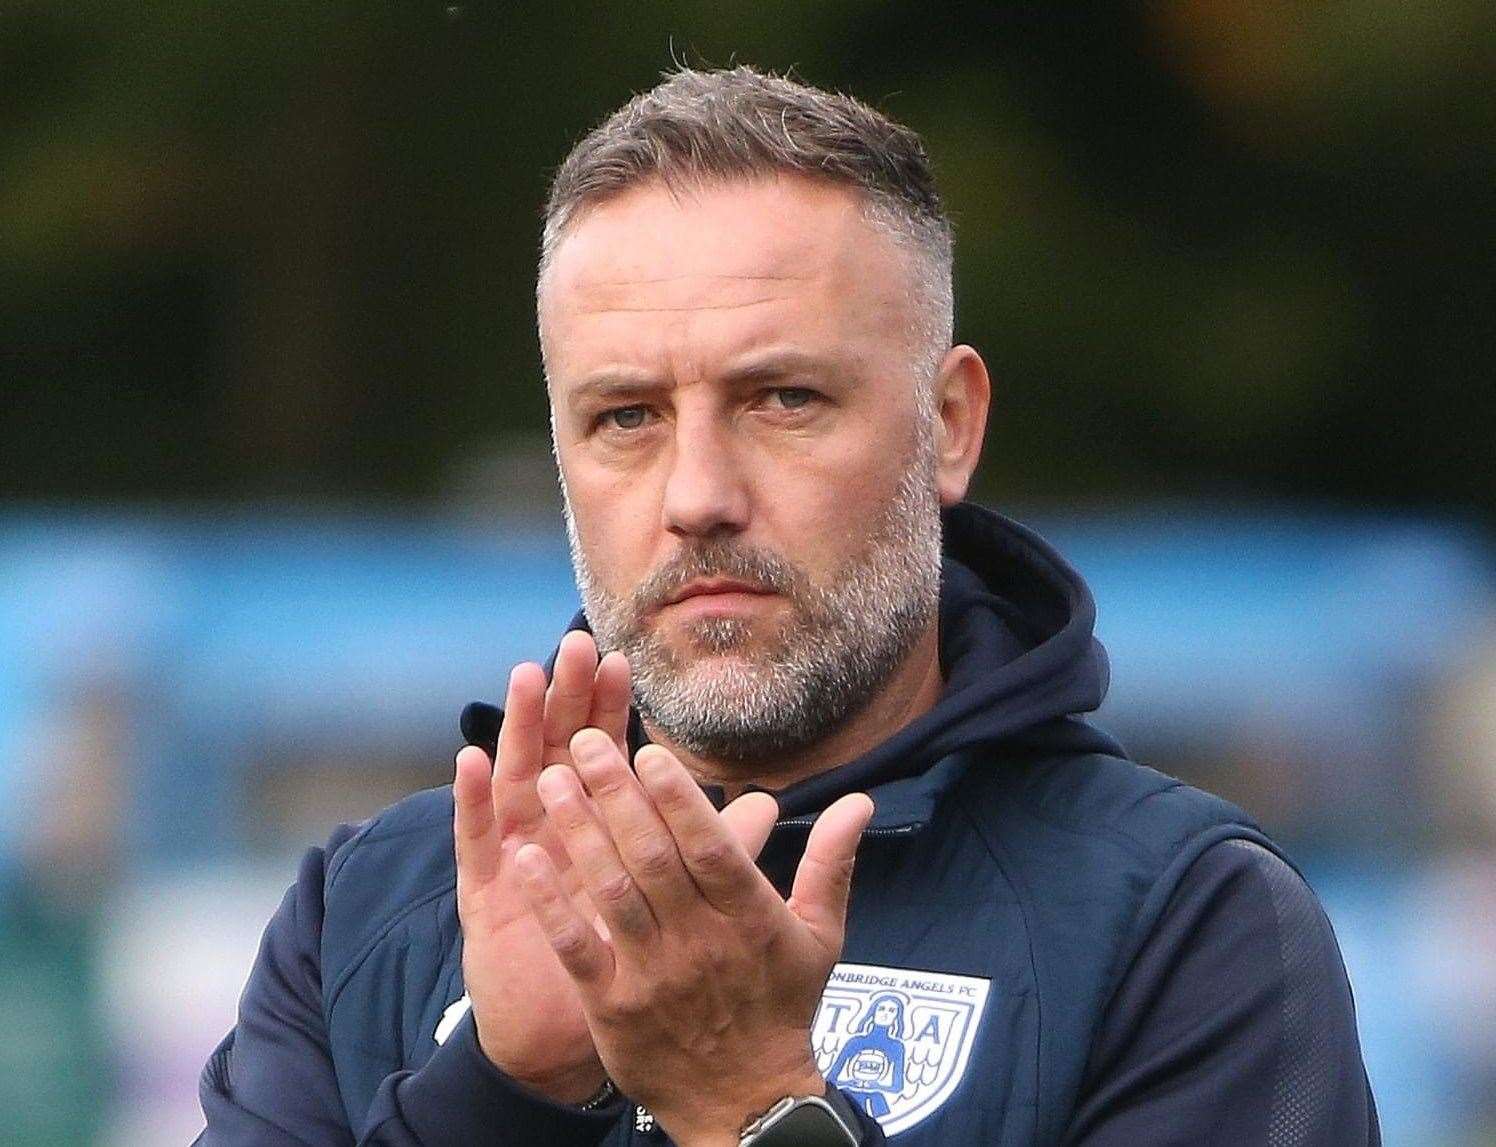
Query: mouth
x,y
718,598
716,587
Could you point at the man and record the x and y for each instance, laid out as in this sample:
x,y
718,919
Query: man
x,y
764,437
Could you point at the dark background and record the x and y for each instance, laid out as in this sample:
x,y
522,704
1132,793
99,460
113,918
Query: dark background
x,y
268,248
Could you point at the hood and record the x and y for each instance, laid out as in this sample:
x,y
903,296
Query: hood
x,y
1021,663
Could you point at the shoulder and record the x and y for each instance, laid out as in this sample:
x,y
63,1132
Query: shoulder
x,y
391,864
1095,846
1109,803
1242,904
1240,932
1238,998
402,834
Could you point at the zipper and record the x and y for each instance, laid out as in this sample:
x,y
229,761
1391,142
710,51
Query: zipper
x,y
895,830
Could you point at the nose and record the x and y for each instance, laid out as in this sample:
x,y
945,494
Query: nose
x,y
706,490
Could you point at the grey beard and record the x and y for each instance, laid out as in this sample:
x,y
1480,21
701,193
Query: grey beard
x,y
843,641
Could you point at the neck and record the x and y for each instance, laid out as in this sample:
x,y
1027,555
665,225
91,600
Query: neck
x,y
912,690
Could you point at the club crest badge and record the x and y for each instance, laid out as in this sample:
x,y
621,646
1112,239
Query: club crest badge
x,y
897,1041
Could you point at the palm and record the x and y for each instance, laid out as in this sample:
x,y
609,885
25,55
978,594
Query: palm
x,y
528,1011
514,978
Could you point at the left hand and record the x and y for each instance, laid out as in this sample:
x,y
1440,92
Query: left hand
x,y
698,982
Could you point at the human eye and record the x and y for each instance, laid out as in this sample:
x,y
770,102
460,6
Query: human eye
x,y
623,417
792,397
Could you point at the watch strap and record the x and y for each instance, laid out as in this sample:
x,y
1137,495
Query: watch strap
x,y
843,1107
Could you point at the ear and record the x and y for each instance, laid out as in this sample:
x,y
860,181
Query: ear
x,y
964,392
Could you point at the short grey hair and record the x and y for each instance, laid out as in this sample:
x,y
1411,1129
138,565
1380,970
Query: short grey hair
x,y
704,127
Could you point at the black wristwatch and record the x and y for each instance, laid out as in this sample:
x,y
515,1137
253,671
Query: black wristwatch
x,y
806,1121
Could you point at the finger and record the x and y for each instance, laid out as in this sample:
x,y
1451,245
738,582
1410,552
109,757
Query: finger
x,y
473,834
611,697
751,819
823,880
594,856
714,856
568,701
643,841
582,952
518,760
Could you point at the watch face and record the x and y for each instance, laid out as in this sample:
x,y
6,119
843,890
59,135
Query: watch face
x,y
808,1124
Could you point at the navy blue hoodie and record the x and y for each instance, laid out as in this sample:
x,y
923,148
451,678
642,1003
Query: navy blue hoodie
x,y
1046,943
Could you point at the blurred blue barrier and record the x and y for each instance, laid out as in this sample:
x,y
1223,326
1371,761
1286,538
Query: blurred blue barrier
x,y
243,633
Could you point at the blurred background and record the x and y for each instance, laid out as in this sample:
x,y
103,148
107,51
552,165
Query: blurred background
x,y
276,500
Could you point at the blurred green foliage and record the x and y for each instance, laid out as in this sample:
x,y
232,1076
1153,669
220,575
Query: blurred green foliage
x,y
286,248
54,1064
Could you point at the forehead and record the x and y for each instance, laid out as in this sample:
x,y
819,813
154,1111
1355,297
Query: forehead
x,y
752,259
652,235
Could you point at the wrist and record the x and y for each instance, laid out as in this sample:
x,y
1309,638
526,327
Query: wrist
x,y
575,1085
825,1120
711,1139
725,1126
582,1087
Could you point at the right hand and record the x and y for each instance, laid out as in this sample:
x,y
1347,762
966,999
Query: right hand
x,y
526,1007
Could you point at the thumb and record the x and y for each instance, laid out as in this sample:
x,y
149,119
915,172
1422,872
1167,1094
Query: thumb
x,y
751,818
824,879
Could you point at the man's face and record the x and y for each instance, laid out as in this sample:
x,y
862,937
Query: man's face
x,y
746,455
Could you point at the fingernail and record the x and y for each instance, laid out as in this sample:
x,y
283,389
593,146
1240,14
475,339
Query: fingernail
x,y
590,745
649,764
530,859
553,782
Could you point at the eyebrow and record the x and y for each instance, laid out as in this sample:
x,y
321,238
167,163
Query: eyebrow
x,y
608,385
766,367
776,364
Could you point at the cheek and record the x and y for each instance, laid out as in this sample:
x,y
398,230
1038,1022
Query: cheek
x,y
853,472
612,519
821,509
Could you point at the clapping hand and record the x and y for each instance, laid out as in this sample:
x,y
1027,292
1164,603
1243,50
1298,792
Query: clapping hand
x,y
697,981
527,1009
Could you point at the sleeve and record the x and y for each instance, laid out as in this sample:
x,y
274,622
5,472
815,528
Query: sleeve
x,y
272,1081
1234,1024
